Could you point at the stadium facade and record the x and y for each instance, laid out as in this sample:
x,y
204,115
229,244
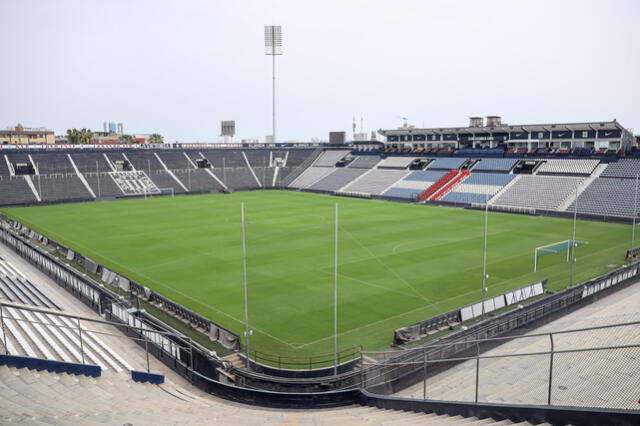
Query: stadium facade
x,y
494,133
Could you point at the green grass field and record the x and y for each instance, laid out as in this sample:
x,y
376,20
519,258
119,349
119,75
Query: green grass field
x,y
398,263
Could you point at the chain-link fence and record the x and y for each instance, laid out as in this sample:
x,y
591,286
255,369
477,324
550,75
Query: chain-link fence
x,y
587,367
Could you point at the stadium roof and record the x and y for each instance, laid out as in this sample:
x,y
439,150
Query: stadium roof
x,y
503,128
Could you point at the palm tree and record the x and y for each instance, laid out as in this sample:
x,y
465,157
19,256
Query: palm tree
x,y
83,136
156,138
125,139
86,136
73,136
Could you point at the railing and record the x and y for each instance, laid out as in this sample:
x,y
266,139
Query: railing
x,y
400,368
298,170
437,185
307,362
457,344
431,325
451,185
91,290
135,329
591,366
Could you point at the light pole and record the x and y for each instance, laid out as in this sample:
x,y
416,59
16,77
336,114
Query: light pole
x,y
573,238
98,176
484,257
335,298
273,48
247,332
635,213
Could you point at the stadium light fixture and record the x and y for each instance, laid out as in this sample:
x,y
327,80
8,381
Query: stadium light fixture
x,y
273,48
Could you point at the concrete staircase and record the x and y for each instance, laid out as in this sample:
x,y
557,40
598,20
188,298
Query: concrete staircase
x,y
457,180
235,360
503,189
582,186
39,398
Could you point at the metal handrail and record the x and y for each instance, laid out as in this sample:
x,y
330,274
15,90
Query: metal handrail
x,y
519,336
181,344
77,317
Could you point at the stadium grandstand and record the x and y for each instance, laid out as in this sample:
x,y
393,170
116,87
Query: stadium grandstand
x,y
139,320
206,220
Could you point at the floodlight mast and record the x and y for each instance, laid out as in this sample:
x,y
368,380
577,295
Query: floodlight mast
x,y
247,331
273,48
484,256
635,214
573,238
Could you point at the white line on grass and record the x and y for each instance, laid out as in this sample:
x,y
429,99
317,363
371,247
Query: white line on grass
x,y
386,267
368,283
170,288
292,345
364,326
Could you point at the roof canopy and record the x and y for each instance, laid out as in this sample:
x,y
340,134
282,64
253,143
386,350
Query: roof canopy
x,y
506,128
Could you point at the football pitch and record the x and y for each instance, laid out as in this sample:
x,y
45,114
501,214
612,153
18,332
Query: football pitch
x,y
398,263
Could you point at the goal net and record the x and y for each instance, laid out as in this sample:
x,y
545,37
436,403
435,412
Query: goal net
x,y
555,248
163,191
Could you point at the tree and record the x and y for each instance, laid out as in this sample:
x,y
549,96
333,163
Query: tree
x,y
125,139
86,136
82,136
73,136
156,138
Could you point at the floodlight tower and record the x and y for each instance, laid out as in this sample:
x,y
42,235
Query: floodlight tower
x,y
273,48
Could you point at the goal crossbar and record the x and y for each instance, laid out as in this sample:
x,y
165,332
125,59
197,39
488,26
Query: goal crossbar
x,y
163,191
555,248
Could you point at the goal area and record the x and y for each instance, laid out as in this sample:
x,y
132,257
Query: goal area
x,y
163,191
555,248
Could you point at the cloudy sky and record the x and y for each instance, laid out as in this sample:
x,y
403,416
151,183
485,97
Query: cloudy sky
x,y
179,67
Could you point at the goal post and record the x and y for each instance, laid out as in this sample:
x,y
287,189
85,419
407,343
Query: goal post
x,y
167,191
555,248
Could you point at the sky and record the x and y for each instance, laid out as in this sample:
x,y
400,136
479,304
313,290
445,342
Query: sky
x,y
180,67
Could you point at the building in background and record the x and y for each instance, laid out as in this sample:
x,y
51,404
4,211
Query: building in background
x,y
112,127
108,138
337,138
227,130
20,135
600,135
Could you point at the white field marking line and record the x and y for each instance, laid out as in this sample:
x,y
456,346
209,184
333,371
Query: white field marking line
x,y
178,260
395,248
242,322
172,289
448,242
213,253
228,219
505,285
392,317
368,283
387,267
499,285
363,326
